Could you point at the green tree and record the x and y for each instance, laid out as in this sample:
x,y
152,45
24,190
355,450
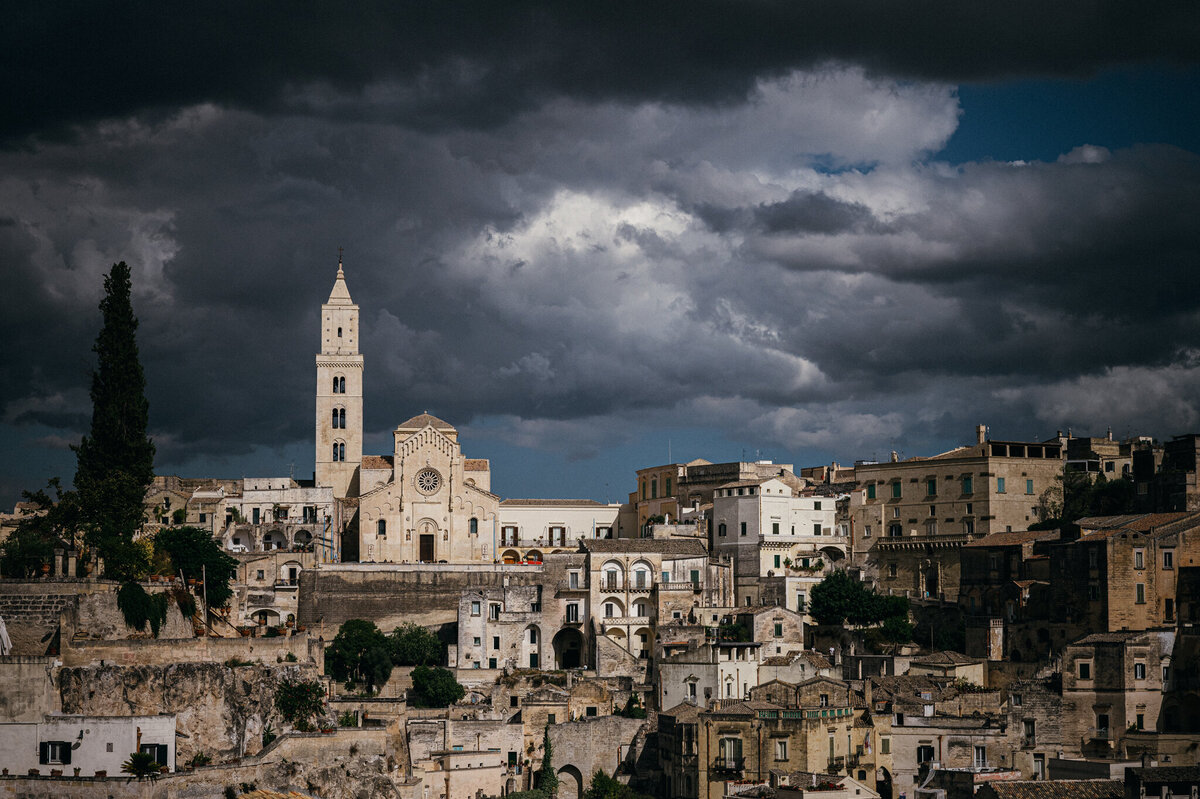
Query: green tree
x,y
141,765
198,555
115,462
299,702
359,653
839,598
435,687
547,779
414,645
48,524
606,787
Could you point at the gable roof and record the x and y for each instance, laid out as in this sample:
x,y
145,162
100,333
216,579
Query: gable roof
x,y
475,465
1008,539
377,461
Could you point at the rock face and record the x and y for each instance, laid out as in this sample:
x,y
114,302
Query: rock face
x,y
341,778
220,710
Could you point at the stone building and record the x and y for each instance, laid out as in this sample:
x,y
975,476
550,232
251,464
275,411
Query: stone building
x,y
909,518
529,529
769,531
707,671
1112,683
1034,726
82,745
1165,477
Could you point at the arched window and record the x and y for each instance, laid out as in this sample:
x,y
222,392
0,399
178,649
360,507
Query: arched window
x,y
473,526
339,418
339,332
721,530
339,451
339,385
381,527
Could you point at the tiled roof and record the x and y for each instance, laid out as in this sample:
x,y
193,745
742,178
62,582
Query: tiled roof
x,y
745,483
587,503
422,420
1167,773
684,712
1014,538
475,465
666,546
945,658
1101,527
1109,638
1058,789
377,461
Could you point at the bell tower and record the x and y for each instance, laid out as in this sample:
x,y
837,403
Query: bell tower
x,y
339,422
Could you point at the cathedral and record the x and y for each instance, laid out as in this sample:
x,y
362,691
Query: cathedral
x,y
425,502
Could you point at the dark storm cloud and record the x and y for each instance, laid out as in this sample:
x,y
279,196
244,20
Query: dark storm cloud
x,y
812,212
478,63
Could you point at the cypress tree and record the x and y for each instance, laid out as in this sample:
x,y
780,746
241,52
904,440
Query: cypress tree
x,y
548,779
115,462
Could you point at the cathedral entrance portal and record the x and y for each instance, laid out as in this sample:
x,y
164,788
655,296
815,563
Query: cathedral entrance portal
x,y
427,547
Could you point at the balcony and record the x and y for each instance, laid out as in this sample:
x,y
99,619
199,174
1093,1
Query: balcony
x,y
579,586
679,586
837,764
729,764
623,621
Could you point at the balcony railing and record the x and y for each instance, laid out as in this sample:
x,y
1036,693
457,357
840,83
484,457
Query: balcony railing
x,y
836,764
729,764
689,586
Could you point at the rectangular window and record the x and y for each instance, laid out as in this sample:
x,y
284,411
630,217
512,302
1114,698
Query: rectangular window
x,y
476,641
495,642
1139,671
1168,559
572,612
980,757
743,528
1102,723
817,528
1085,671
1029,487
778,630
1169,609
494,612
931,487
1093,558
1039,766
885,746
54,753
1000,485
781,749
1030,736
968,485
590,710
1094,592
866,531
871,491
933,510
203,518
667,486
896,490
1139,559
533,664
1141,721
817,505
777,561
695,577
475,608
801,601
775,528
158,750
892,570
1140,589
550,718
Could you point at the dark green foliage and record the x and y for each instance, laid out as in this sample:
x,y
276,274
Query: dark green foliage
x,y
359,653
198,555
414,645
633,708
200,759
1078,496
140,608
115,462
840,599
606,787
268,735
435,687
299,702
185,601
734,631
547,779
49,524
141,765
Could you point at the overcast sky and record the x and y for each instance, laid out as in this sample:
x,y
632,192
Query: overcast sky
x,y
602,235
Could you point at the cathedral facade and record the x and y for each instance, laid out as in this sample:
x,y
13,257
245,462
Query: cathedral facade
x,y
426,502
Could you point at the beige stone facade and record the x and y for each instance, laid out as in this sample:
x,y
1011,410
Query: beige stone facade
x,y
909,518
339,411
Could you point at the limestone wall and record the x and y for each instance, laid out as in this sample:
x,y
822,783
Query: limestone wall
x,y
391,595
220,710
164,651
27,690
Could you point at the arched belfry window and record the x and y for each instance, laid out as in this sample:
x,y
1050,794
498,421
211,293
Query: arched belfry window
x,y
339,418
339,451
339,385
381,527
473,526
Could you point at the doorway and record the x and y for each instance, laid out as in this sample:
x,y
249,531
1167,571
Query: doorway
x,y
427,548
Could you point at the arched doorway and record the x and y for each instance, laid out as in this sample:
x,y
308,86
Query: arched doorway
x,y
570,783
427,541
568,649
274,539
883,783
511,556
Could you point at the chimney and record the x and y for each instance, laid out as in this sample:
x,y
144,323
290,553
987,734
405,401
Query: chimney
x,y
867,696
980,433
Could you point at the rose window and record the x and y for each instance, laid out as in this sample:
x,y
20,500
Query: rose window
x,y
428,481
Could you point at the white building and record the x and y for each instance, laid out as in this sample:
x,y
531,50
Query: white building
x,y
85,743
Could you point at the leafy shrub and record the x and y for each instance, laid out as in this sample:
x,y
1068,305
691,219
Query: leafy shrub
x,y
299,702
140,608
435,687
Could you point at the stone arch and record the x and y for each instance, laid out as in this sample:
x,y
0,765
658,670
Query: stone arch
x,y
618,608
302,538
274,539
511,556
568,649
641,643
641,607
267,617
613,572
289,572
832,554
643,571
570,783
534,555
531,647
